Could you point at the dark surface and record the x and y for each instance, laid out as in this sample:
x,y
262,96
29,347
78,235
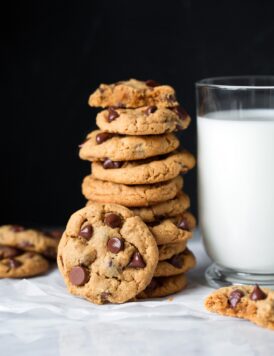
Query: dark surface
x,y
55,55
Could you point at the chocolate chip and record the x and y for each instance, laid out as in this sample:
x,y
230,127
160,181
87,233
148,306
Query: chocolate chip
x,y
113,220
17,228
104,296
78,276
151,109
86,232
112,114
9,252
183,224
137,261
181,112
109,164
176,261
235,297
257,294
12,263
115,245
152,83
103,136
152,285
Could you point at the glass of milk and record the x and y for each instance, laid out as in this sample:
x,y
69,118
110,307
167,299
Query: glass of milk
x,y
235,119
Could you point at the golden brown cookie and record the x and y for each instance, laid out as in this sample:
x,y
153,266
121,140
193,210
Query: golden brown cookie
x,y
20,264
177,264
103,146
168,250
248,302
133,93
131,196
29,240
148,120
149,171
173,230
166,209
107,254
164,286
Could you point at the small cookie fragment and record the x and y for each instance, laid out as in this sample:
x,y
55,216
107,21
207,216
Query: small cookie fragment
x,y
253,303
116,263
133,93
164,286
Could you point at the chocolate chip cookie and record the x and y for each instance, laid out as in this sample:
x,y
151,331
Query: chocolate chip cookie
x,y
106,147
149,171
177,264
166,209
168,250
164,286
133,93
248,302
173,230
107,254
15,263
29,240
130,196
148,120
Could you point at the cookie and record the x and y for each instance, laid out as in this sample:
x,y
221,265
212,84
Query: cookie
x,y
133,93
29,240
177,264
148,120
168,250
169,208
15,263
107,254
173,230
130,196
248,302
149,171
103,146
164,286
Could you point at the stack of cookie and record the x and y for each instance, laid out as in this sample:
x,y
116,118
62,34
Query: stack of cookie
x,y
25,252
137,163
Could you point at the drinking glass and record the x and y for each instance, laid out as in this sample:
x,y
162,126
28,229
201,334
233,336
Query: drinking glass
x,y
235,120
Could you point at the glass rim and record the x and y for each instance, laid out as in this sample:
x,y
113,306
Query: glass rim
x,y
212,82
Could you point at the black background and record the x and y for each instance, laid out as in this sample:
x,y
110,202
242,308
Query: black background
x,y
55,54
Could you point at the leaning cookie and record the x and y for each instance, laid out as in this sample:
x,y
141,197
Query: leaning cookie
x,y
177,264
130,196
103,146
133,93
29,240
248,302
150,171
164,286
166,209
148,120
107,254
173,230
21,264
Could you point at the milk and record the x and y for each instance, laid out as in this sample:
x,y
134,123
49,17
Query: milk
x,y
236,188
